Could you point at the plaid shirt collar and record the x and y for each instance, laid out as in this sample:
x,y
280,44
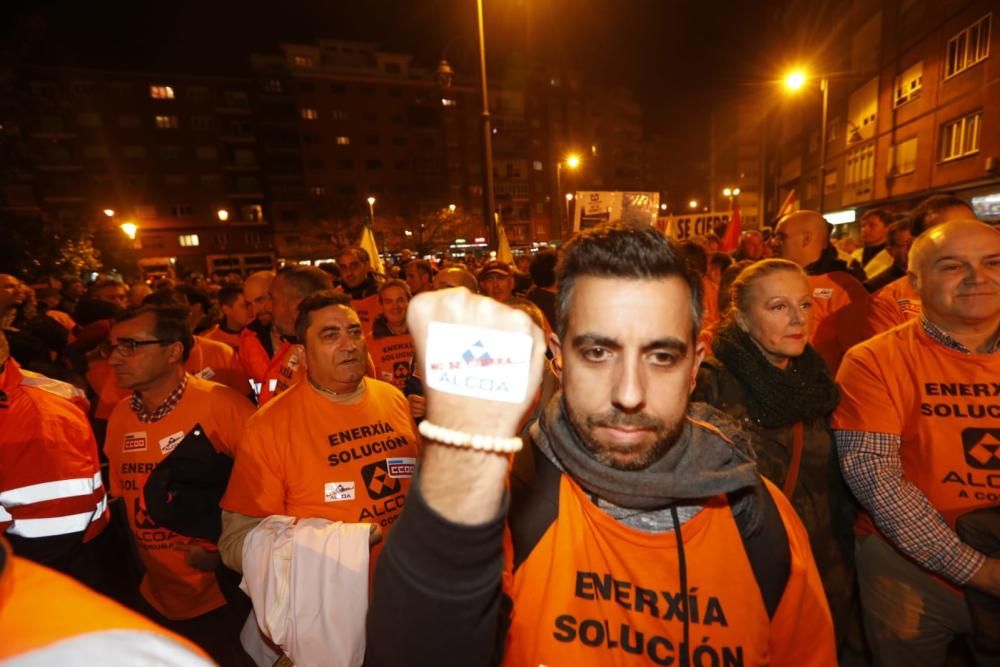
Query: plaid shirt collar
x,y
943,337
163,410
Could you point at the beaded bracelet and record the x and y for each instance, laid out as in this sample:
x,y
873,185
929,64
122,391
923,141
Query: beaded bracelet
x,y
486,443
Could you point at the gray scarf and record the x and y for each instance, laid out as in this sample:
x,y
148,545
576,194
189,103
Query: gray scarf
x,y
699,465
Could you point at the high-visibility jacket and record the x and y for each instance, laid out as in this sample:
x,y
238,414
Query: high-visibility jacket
x,y
50,475
49,618
255,350
840,317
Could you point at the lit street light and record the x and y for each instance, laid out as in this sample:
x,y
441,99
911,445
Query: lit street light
x,y
451,208
693,204
794,81
572,161
130,229
569,198
110,212
371,210
223,214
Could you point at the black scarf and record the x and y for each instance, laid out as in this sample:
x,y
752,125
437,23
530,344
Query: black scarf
x,y
776,397
699,465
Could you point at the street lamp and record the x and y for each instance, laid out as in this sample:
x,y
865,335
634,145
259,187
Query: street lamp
x,y
110,212
445,74
693,204
572,161
569,198
222,214
451,208
371,210
794,81
130,228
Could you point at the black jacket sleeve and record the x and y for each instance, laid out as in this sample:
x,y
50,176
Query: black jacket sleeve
x,y
437,596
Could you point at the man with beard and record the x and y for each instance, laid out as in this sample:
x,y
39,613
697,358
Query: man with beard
x,y
635,530
360,283
258,340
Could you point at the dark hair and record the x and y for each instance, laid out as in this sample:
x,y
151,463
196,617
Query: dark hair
x,y
317,301
423,266
105,283
618,250
305,280
695,255
170,298
91,310
359,253
883,215
931,206
720,261
543,268
195,296
228,295
169,323
897,227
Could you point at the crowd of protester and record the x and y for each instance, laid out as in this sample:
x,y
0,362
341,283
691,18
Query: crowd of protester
x,y
226,456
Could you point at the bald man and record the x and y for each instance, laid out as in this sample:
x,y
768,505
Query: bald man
x,y
456,276
918,434
841,304
898,301
258,340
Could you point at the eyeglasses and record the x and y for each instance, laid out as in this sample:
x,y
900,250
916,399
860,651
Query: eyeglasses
x,y
126,347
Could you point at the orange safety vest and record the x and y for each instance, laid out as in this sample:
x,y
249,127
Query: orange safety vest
x,y
134,449
840,316
285,369
593,591
392,356
943,404
253,356
50,617
50,474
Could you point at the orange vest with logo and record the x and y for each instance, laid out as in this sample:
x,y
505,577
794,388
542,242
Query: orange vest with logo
x,y
134,449
943,404
367,309
392,356
305,456
596,592
285,369
40,607
840,315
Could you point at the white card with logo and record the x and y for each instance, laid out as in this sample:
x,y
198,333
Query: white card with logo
x,y
480,363
337,491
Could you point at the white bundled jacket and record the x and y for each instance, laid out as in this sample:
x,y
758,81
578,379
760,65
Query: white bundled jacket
x,y
308,580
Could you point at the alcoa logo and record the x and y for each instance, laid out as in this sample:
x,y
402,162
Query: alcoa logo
x,y
493,365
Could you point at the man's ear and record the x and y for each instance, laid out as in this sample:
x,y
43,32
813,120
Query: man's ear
x,y
699,356
555,349
176,352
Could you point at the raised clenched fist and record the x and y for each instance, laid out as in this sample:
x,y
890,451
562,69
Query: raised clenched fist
x,y
481,361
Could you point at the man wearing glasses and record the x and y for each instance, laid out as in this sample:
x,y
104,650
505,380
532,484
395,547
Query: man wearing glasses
x,y
147,350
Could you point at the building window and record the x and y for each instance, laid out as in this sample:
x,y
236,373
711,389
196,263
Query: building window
x,y
188,240
372,140
367,90
392,68
961,137
345,164
537,165
315,163
369,116
399,141
134,152
161,92
308,113
395,92
174,179
181,211
273,86
206,153
373,165
170,152
343,140
95,152
968,47
860,169
830,181
303,61
209,180
128,121
338,89
167,122
317,191
201,123
908,84
903,157
252,213
447,102
402,164
236,98
338,114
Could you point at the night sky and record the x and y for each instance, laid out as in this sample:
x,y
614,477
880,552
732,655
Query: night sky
x,y
669,53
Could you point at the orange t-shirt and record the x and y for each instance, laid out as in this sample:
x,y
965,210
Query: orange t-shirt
x,y
134,449
217,333
392,356
943,404
285,369
840,316
367,309
215,361
306,456
253,356
895,304
596,592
